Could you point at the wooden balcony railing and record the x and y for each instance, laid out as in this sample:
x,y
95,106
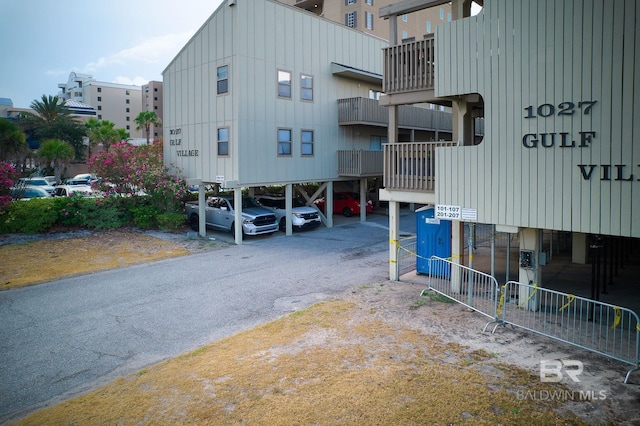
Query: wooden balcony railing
x,y
409,66
359,163
410,166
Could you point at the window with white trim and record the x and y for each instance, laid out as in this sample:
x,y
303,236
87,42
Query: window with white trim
x,y
405,18
222,76
368,20
223,141
428,27
284,142
284,84
306,144
306,87
350,20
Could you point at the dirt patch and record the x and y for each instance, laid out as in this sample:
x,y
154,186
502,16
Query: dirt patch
x,y
381,354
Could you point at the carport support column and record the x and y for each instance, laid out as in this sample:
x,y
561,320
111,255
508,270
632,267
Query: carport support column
x,y
394,236
529,242
202,211
363,200
237,208
328,205
288,205
457,254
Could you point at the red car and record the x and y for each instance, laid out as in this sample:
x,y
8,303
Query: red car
x,y
347,203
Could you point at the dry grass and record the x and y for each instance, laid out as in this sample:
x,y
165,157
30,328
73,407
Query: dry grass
x,y
340,362
331,364
41,261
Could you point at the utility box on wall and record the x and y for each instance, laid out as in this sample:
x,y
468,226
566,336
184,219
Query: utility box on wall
x,y
433,239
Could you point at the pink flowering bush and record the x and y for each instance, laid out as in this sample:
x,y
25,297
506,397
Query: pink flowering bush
x,y
8,176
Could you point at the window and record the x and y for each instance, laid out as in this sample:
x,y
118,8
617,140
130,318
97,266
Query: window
x,y
368,17
99,98
448,17
223,141
404,35
284,84
127,93
374,94
128,127
155,107
350,20
348,2
127,118
223,79
99,89
306,87
284,141
405,18
428,26
127,109
99,107
155,89
441,14
369,2
306,148
127,101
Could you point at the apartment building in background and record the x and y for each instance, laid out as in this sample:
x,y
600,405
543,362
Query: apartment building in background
x,y
119,103
152,101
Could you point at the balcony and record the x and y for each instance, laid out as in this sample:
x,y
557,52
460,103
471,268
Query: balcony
x,y
368,112
411,166
359,163
409,67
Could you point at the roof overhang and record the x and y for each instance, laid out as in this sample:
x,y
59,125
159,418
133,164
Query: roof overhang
x,y
355,73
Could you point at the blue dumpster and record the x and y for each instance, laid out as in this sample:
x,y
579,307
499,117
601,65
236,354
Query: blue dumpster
x,y
433,239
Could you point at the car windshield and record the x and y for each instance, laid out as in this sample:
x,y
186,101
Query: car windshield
x,y
247,203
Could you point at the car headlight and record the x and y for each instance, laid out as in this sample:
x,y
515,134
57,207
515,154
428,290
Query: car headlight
x,y
298,215
247,221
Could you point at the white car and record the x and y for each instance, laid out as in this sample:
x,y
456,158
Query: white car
x,y
36,181
71,190
302,217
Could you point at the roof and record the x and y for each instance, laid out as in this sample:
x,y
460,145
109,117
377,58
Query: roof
x,y
355,73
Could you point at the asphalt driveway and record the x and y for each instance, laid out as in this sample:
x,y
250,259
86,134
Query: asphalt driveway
x,y
68,336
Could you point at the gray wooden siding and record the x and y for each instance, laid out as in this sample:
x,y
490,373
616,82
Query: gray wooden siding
x,y
530,53
256,39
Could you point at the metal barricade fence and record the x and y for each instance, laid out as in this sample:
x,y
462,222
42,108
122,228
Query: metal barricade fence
x,y
406,255
599,327
474,289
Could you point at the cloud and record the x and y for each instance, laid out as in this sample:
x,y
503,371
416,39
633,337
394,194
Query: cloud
x,y
135,81
157,50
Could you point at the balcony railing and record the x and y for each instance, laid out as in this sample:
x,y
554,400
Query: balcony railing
x,y
409,66
359,163
364,111
410,166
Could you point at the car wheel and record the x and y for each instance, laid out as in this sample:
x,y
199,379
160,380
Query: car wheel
x,y
283,224
347,212
194,222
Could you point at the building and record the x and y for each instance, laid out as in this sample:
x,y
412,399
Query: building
x,y
267,94
152,101
119,103
558,152
364,15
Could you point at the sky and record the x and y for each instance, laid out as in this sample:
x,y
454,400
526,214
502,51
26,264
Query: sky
x,y
116,41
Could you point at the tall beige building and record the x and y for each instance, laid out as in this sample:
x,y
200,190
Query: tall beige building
x,y
152,101
364,15
119,103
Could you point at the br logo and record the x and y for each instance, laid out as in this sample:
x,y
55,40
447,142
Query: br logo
x,y
553,370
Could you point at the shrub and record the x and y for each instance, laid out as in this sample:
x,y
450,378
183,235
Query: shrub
x,y
145,216
171,221
29,217
92,213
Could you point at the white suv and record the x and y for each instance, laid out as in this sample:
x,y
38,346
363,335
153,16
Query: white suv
x,y
302,217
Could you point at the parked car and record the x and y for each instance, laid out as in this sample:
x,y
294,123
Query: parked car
x,y
83,179
27,192
53,181
35,181
347,203
220,214
71,190
302,217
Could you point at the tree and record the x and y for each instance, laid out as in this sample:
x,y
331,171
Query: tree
x,y
53,120
12,140
56,153
144,120
103,132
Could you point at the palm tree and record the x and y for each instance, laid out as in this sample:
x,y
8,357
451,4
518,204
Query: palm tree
x,y
12,140
104,132
56,153
53,120
144,120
